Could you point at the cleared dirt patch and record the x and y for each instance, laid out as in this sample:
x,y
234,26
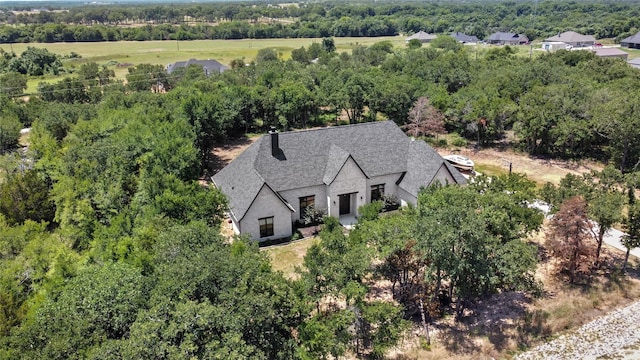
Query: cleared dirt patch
x,y
224,154
494,161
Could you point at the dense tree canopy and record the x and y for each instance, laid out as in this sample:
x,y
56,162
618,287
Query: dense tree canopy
x,y
317,20
105,196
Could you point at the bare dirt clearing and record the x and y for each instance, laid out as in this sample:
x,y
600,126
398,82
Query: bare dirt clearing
x,y
491,161
224,154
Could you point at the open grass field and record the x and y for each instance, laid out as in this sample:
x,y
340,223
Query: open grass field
x,y
131,53
169,51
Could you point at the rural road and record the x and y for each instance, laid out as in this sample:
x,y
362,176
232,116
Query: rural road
x,y
612,238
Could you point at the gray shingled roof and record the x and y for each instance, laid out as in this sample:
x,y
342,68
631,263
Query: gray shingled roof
x,y
634,62
505,36
209,66
421,35
634,39
314,157
462,37
422,164
571,37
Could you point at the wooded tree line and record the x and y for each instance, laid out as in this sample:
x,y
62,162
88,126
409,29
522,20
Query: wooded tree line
x,y
312,20
568,104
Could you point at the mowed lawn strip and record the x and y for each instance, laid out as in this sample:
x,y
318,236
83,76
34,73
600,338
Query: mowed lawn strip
x,y
286,257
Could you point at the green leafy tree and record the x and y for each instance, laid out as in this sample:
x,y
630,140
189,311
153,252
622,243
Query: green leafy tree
x,y
25,196
143,77
414,44
328,44
616,119
100,303
265,55
12,84
446,42
9,132
632,226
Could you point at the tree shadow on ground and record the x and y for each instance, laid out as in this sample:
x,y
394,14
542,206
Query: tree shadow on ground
x,y
496,318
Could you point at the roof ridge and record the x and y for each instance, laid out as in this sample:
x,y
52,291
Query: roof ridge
x,y
331,127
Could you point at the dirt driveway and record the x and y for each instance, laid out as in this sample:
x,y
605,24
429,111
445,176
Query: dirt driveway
x,y
537,169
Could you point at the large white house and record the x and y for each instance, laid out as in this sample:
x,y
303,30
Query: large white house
x,y
335,169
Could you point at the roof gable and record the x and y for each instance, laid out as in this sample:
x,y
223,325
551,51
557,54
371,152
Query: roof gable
x,y
506,36
633,39
421,35
337,158
423,164
571,36
462,37
315,157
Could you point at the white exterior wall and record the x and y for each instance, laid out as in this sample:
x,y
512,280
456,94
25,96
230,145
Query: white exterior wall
x,y
443,176
293,198
389,181
350,179
267,204
406,198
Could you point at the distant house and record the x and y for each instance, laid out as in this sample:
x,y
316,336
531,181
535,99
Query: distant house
x,y
634,63
209,66
632,42
611,53
335,170
422,36
573,38
506,38
464,38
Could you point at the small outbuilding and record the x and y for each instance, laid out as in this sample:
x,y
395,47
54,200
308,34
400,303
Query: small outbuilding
x,y
554,46
634,63
611,53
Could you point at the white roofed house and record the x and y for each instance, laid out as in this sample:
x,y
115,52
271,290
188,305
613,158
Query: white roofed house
x,y
335,169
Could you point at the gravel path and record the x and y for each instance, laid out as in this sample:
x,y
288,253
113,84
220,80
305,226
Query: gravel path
x,y
615,335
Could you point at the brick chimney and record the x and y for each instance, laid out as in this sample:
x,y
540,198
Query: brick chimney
x,y
275,146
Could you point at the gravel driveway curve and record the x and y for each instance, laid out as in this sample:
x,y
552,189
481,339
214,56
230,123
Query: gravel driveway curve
x,y
615,335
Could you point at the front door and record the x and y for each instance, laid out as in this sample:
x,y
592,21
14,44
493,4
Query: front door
x,y
345,204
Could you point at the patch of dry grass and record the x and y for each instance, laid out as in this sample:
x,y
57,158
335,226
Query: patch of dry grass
x,y
287,256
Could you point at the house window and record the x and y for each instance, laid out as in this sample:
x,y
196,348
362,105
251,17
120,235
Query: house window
x,y
266,226
377,191
305,202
